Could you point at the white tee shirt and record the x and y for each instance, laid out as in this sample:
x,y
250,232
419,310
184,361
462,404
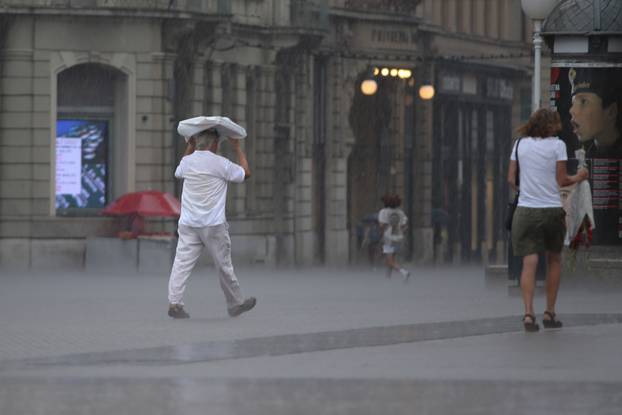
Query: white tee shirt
x,y
537,160
204,192
395,219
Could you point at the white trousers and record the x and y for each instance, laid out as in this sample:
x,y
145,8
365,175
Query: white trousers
x,y
189,247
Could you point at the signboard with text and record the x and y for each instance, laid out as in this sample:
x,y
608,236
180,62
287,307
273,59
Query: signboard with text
x,y
81,164
589,101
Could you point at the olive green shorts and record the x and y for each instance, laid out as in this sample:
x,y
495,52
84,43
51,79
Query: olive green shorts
x,y
536,230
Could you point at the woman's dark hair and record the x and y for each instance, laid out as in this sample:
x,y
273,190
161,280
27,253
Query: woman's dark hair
x,y
542,123
391,200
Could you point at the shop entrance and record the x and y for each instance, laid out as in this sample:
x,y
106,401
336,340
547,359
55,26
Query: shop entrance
x,y
371,172
471,152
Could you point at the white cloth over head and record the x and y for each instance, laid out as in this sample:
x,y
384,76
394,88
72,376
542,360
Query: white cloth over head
x,y
224,126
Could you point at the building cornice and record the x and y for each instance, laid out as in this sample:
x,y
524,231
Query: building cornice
x,y
98,12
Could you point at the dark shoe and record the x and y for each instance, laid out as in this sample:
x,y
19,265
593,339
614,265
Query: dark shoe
x,y
529,322
551,322
177,311
242,308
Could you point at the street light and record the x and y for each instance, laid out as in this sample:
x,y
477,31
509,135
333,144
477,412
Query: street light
x,y
537,10
426,92
369,86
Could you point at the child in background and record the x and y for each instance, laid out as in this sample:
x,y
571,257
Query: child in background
x,y
393,223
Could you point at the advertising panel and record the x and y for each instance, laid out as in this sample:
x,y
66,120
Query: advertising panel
x,y
589,101
81,164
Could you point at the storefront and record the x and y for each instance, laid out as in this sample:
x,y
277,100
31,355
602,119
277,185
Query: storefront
x,y
473,137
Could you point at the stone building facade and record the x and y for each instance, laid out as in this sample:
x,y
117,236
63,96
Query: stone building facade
x,y
322,154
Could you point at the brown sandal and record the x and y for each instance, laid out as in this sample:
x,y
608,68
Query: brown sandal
x,y
552,322
530,326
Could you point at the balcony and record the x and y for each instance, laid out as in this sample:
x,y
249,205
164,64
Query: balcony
x,y
309,14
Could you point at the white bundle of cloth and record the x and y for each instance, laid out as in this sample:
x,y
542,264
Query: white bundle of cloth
x,y
577,202
225,127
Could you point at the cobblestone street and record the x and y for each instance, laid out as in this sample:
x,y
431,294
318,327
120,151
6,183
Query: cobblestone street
x,y
446,342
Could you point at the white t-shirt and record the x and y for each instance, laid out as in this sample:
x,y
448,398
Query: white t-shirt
x,y
395,219
204,192
537,160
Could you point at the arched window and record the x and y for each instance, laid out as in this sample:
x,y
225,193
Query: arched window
x,y
90,109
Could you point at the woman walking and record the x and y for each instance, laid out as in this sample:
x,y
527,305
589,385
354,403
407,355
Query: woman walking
x,y
538,225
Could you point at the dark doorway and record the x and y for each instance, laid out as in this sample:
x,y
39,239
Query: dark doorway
x,y
369,162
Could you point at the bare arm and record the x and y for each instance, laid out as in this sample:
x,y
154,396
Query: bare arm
x,y
241,157
190,147
562,175
512,175
383,227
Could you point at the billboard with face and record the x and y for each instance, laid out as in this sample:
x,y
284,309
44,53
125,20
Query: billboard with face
x,y
589,101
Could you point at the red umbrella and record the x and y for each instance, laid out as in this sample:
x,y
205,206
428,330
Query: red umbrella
x,y
145,203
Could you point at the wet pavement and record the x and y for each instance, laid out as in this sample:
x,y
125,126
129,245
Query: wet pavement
x,y
319,341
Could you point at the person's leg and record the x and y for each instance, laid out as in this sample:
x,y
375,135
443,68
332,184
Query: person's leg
x,y
405,273
555,233
189,247
528,281
388,252
553,274
396,265
218,243
387,262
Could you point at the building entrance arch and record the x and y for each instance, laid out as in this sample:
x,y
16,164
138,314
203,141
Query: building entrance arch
x,y
92,133
369,162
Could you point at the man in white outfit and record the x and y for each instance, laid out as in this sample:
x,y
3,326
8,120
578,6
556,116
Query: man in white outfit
x,y
202,221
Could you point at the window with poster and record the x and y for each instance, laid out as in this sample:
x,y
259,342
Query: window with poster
x,y
87,109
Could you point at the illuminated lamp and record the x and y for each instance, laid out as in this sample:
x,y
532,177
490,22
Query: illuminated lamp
x,y
369,86
426,92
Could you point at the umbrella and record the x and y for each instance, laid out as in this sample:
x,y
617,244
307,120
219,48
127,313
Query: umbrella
x,y
145,203
224,126
370,218
440,216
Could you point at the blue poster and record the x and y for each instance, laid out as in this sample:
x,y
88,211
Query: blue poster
x,y
81,164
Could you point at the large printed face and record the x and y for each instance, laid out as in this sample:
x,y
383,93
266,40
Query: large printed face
x,y
588,117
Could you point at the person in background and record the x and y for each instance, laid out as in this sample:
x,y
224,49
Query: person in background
x,y
538,224
370,236
202,221
393,223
